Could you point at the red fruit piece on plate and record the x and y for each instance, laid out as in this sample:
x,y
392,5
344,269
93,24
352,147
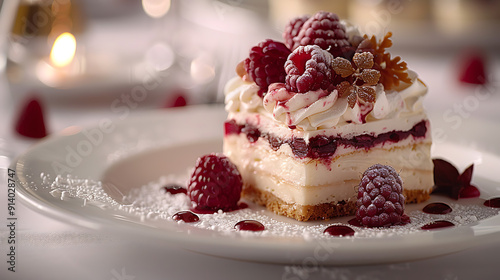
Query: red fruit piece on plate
x,y
473,70
215,184
30,122
469,191
176,99
380,199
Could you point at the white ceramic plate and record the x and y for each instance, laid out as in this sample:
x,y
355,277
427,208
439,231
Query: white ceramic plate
x,y
141,149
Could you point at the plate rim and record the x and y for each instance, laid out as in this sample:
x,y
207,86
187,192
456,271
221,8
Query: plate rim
x,y
66,215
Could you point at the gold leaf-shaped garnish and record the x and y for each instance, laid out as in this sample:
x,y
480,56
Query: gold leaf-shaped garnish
x,y
342,67
370,76
367,94
344,88
363,60
366,44
352,98
393,70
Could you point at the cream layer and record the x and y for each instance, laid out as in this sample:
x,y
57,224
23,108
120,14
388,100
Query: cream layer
x,y
268,125
311,182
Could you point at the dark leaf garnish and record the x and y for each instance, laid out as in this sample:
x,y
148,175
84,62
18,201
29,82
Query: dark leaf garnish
x,y
448,181
445,174
466,176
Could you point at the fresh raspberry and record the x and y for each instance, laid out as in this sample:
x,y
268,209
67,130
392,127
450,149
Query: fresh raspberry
x,y
176,98
30,122
380,198
292,29
265,64
215,184
473,70
308,68
325,30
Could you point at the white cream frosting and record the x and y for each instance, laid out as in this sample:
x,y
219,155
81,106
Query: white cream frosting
x,y
313,109
241,96
316,110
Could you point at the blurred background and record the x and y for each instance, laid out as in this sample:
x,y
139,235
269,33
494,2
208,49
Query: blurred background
x,y
87,61
81,55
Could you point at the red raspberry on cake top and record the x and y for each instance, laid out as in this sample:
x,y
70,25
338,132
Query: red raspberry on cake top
x,y
325,30
292,29
265,64
380,198
308,68
215,184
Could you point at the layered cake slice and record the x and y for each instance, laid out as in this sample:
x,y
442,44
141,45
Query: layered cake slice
x,y
306,117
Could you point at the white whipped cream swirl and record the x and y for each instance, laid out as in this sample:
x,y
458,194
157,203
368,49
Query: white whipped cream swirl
x,y
310,111
316,110
241,96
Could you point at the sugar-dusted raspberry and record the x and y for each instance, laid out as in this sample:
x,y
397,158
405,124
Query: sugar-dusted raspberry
x,y
308,68
292,29
265,64
380,198
325,30
215,184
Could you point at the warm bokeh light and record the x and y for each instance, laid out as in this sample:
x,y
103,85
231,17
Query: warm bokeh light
x,y
202,69
156,8
63,50
160,56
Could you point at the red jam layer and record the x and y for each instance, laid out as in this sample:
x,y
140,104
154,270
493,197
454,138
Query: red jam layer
x,y
322,147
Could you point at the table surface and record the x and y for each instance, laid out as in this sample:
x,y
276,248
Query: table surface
x,y
49,249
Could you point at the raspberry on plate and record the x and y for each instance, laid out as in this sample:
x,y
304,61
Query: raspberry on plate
x,y
325,30
265,64
380,198
215,184
308,68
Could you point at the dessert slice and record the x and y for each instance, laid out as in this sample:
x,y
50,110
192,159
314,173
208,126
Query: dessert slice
x,y
307,118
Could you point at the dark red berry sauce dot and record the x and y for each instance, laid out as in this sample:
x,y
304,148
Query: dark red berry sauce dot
x,y
437,225
437,208
186,216
174,189
249,225
339,230
494,202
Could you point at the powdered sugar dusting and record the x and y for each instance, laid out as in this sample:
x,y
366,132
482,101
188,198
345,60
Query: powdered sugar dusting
x,y
151,203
